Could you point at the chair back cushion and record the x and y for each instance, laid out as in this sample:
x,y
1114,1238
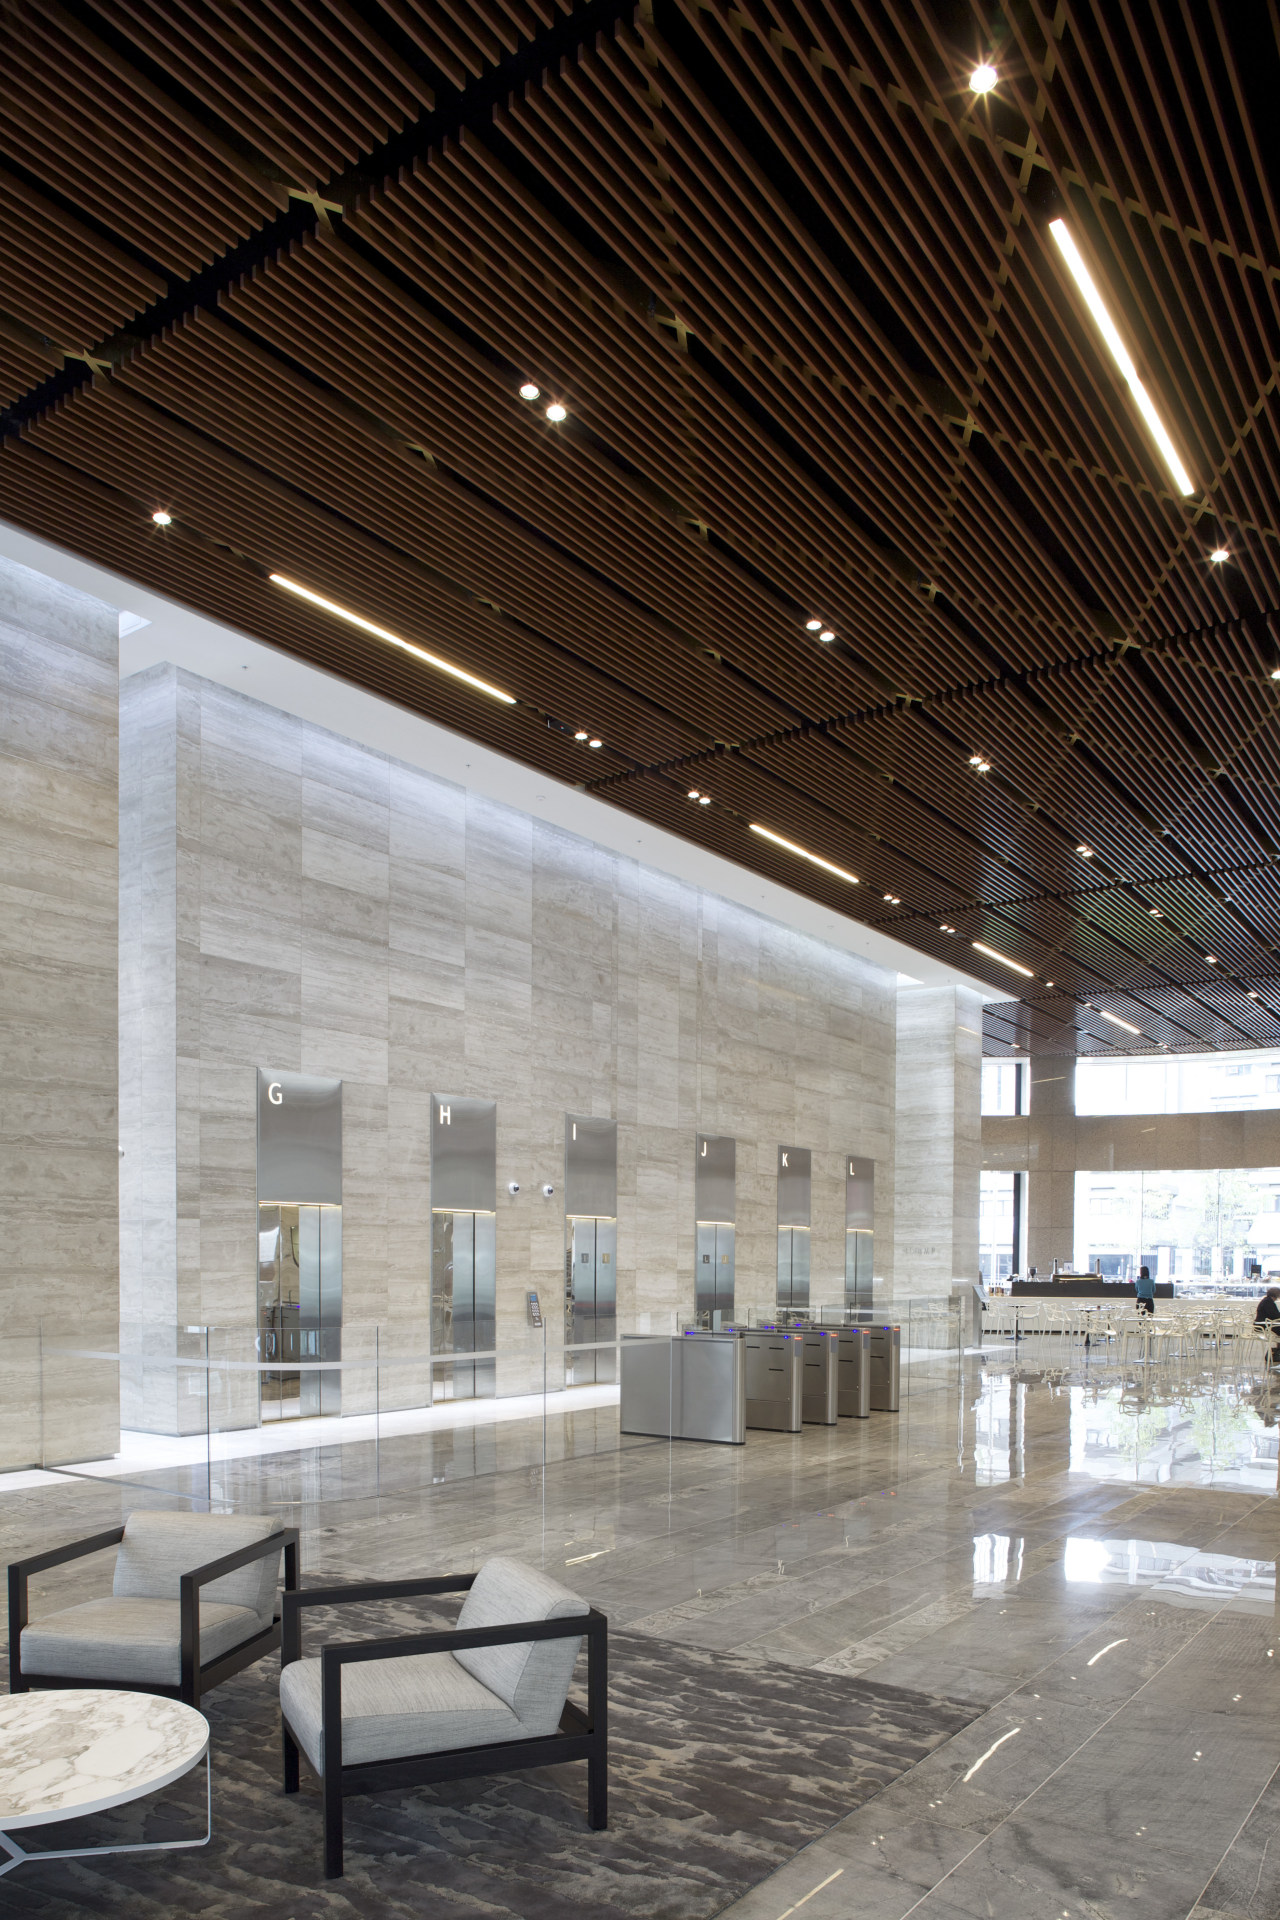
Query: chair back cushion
x,y
158,1548
532,1676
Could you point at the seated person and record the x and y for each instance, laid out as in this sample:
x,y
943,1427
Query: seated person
x,y
1145,1289
1268,1310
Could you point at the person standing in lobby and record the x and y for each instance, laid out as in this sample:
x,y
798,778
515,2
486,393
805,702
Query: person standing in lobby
x,y
1145,1289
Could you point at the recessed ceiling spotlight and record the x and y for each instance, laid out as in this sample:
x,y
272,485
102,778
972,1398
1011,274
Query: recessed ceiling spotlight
x,y
1276,673
581,734
767,833
1211,960
528,391
828,633
1155,913
1086,853
983,78
161,518
595,743
556,412
1048,983
811,626
704,799
893,899
944,928
694,794
976,761
1120,354
1252,994
392,639
1218,555
1003,958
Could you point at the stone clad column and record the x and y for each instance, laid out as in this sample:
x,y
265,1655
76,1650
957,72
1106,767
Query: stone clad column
x,y
59,1149
1051,1178
938,1140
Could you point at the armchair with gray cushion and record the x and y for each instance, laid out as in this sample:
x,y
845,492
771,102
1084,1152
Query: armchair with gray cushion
x,y
489,1695
193,1601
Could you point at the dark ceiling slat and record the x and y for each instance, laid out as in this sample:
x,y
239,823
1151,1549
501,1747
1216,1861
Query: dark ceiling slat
x,y
821,359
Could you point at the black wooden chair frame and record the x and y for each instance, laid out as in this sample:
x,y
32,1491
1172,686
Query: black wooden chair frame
x,y
581,1736
196,1679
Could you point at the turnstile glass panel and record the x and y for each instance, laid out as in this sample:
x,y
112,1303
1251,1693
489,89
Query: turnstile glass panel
x,y
590,1300
793,1269
464,1267
713,1280
299,1310
859,1254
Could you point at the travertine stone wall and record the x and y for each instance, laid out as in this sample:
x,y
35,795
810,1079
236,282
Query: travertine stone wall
x,y
938,1140
302,902
59,1159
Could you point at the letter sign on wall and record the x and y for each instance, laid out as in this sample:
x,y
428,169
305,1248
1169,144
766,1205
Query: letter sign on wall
x,y
299,1139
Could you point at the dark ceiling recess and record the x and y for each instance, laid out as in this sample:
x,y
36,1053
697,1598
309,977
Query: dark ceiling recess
x,y
281,271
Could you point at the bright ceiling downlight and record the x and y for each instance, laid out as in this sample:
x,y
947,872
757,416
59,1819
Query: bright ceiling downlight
x,y
1004,959
766,833
392,639
1120,354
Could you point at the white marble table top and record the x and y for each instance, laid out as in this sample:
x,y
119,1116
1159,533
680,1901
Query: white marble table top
x,y
77,1750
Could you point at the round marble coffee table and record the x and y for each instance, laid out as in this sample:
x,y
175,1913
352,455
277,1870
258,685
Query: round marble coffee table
x,y
72,1751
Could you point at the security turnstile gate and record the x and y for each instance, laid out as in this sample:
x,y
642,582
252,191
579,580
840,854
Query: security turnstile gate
x,y
820,1391
692,1387
774,1370
886,1362
855,1372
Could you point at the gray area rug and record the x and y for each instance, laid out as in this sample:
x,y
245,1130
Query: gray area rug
x,y
722,1768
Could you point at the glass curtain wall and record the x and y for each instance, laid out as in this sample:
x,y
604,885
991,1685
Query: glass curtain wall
x,y
1203,1230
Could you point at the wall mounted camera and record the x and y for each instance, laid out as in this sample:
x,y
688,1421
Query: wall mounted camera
x,y
513,1186
547,1190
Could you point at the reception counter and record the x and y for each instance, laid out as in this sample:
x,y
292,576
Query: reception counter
x,y
1083,1286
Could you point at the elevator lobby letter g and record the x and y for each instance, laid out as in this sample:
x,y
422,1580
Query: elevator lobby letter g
x,y
274,1095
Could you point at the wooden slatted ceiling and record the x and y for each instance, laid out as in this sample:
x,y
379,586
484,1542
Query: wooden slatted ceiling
x,y
794,284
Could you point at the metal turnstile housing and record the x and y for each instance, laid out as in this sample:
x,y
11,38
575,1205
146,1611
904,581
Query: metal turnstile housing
x,y
692,1387
775,1378
855,1372
886,1363
820,1392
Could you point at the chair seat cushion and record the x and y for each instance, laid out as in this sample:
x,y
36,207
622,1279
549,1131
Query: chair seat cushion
x,y
391,1709
116,1639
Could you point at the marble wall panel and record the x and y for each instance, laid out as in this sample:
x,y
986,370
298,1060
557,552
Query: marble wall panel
x,y
381,924
60,1175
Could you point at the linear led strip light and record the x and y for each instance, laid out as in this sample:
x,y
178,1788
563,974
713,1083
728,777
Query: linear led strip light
x,y
766,833
1004,959
1116,1021
392,639
1120,354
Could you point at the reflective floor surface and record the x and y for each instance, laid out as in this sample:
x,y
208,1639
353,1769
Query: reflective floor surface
x,y
1088,1554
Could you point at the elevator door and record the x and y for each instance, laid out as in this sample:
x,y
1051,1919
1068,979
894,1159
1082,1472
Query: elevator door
x,y
793,1270
713,1282
858,1254
590,1299
464,1266
299,1310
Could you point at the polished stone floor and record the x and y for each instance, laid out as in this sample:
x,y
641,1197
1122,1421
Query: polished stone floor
x,y
1086,1553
